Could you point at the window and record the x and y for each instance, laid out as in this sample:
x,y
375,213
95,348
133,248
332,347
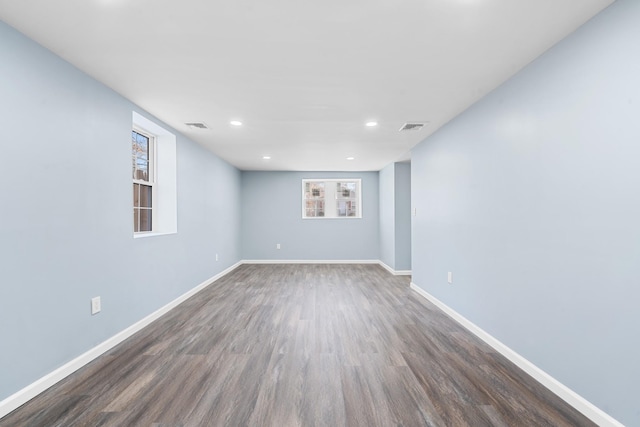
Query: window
x,y
143,149
154,178
331,198
313,199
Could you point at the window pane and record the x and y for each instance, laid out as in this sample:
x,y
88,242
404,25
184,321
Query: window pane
x,y
136,195
145,220
136,220
310,208
145,196
346,190
142,173
314,190
140,145
133,158
346,208
141,215
142,169
314,208
351,208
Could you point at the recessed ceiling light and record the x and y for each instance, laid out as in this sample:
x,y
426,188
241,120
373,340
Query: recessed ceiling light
x,y
351,158
371,124
235,123
266,157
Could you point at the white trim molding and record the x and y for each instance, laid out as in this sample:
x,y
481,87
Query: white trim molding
x,y
310,261
330,261
395,272
32,390
587,408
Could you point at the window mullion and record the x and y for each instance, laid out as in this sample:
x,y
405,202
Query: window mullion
x,y
330,204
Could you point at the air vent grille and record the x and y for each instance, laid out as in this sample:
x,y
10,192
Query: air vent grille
x,y
197,125
411,126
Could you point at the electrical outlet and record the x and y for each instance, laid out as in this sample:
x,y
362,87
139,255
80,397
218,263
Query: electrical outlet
x,y
216,257
96,305
450,277
277,245
415,211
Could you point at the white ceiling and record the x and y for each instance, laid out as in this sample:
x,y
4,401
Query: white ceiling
x,y
303,76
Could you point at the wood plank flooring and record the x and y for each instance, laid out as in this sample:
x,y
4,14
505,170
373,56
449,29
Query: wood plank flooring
x,y
300,345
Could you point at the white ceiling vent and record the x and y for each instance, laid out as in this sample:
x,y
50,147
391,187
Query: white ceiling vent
x,y
197,125
412,126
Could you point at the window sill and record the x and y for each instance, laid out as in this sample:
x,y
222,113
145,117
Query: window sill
x,y
331,217
152,234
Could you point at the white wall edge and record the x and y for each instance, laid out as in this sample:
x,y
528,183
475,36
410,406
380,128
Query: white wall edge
x,y
395,272
310,261
32,390
581,404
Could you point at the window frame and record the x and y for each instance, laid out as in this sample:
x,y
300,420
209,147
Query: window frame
x,y
152,174
331,197
165,201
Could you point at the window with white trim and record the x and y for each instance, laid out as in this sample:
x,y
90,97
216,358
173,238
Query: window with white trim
x,y
155,208
331,198
143,150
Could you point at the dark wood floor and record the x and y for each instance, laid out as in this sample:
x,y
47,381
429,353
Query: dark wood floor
x,y
300,345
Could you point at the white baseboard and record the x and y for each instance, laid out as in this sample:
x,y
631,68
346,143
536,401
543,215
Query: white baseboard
x,y
395,272
32,390
588,409
310,261
331,261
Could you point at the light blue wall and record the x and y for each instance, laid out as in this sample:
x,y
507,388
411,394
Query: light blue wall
x,y
395,216
387,215
532,199
272,213
66,216
402,186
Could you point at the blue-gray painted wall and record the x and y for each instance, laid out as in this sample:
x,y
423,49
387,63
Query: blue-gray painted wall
x,y
402,191
387,215
395,216
66,216
272,214
531,198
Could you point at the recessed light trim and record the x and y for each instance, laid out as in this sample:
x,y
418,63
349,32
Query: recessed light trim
x,y
235,123
351,158
371,124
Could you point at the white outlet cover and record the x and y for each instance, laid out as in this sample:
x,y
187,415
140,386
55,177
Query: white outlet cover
x,y
96,305
450,277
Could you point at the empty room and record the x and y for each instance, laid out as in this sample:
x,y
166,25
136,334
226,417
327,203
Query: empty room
x,y
339,213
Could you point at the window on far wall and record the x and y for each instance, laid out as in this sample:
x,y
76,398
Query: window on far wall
x,y
143,149
331,198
